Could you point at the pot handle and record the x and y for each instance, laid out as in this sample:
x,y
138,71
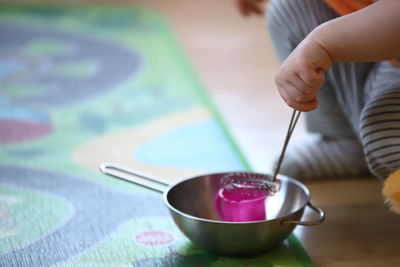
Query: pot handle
x,y
127,174
321,218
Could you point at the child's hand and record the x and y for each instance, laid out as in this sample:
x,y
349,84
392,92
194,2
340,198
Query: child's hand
x,y
249,7
302,74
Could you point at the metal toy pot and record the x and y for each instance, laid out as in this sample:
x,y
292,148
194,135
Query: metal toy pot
x,y
191,204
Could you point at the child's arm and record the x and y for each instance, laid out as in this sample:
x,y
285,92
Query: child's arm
x,y
371,34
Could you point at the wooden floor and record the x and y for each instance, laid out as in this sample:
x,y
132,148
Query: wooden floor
x,y
234,60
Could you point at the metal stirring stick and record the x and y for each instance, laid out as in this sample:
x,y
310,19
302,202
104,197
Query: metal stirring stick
x,y
292,124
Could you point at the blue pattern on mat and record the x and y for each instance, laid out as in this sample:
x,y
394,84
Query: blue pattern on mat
x,y
198,145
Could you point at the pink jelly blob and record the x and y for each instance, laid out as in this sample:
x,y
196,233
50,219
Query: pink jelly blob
x,y
241,205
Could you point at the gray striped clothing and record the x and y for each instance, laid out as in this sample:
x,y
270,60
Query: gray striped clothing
x,y
359,102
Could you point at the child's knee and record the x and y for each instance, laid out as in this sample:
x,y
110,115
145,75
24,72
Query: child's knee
x,y
380,133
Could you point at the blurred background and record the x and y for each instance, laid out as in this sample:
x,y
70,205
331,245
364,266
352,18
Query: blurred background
x,y
235,61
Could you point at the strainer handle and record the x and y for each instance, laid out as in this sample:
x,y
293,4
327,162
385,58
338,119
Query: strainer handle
x,y
130,175
321,218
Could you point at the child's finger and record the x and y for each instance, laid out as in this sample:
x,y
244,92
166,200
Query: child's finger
x,y
305,107
307,92
291,101
297,95
295,87
312,78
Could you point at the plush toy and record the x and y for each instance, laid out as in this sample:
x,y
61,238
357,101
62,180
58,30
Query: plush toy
x,y
391,191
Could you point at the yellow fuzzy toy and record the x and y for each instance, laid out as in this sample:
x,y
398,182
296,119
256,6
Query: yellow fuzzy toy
x,y
391,191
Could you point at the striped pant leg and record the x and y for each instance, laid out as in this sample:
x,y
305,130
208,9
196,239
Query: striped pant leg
x,y
379,123
289,22
341,100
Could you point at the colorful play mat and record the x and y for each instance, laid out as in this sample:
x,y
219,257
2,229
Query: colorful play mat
x,y
84,85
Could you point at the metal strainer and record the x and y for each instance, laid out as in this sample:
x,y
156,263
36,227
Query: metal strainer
x,y
261,181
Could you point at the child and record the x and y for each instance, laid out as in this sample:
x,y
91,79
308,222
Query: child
x,y
339,66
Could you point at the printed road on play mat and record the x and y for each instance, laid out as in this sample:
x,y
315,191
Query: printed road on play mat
x,y
84,85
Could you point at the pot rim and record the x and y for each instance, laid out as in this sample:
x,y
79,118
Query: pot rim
x,y
279,176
